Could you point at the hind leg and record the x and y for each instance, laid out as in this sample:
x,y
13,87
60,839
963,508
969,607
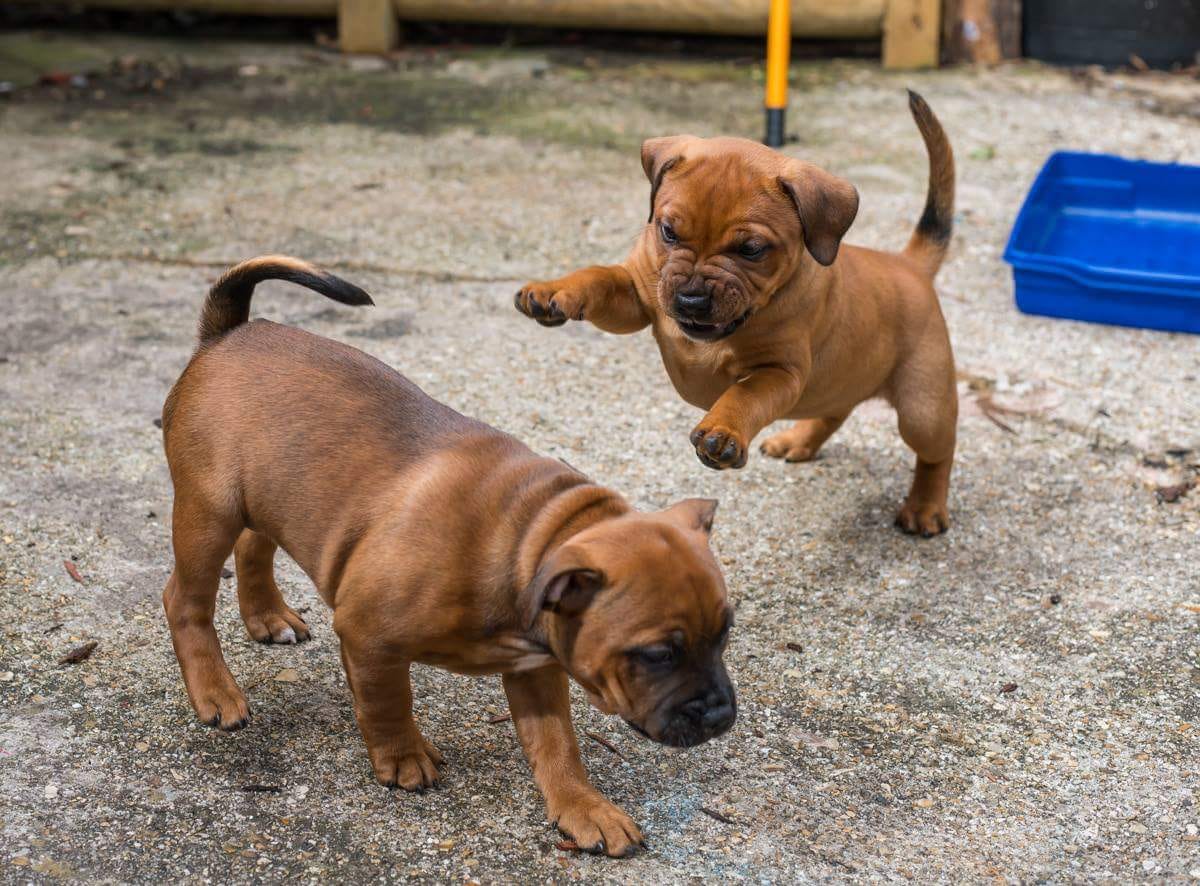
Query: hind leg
x,y
928,414
803,440
202,540
268,618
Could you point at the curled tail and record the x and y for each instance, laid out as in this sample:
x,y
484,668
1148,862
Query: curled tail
x,y
228,303
931,239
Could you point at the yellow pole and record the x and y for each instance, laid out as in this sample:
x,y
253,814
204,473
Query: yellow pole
x,y
779,44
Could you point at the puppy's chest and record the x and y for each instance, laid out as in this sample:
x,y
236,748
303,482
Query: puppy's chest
x,y
701,372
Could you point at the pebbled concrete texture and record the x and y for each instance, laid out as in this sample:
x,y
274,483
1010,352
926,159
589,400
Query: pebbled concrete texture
x,y
1018,699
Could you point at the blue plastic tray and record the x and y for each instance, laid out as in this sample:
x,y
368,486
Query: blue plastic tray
x,y
1110,240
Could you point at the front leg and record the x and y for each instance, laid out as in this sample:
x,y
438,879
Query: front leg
x,y
540,704
606,296
723,436
400,755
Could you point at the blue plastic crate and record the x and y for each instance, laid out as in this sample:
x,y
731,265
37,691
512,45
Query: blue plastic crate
x,y
1110,240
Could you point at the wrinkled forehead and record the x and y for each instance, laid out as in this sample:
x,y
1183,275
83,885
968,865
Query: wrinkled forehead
x,y
667,581
713,190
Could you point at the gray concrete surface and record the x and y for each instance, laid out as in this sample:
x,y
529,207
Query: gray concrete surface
x,y
876,739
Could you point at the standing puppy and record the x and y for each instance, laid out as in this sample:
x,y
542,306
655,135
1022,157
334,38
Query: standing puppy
x,y
759,316
435,539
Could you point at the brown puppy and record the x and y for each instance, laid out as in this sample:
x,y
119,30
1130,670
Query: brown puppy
x,y
759,316
435,539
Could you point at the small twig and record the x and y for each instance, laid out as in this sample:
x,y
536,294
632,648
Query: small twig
x,y
261,789
604,742
712,813
794,647
499,718
73,571
54,627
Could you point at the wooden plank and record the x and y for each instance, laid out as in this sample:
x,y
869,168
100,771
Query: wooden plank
x,y
911,34
367,26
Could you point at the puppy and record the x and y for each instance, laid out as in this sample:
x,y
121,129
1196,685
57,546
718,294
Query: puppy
x,y
759,315
436,539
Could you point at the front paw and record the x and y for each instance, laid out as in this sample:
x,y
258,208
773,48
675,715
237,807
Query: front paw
x,y
410,763
549,304
719,447
597,826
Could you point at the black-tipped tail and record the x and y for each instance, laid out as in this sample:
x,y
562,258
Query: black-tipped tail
x,y
931,238
228,303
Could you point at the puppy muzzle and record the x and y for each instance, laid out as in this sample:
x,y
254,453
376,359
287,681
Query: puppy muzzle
x,y
692,722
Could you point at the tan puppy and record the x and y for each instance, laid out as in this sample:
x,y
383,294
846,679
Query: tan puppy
x,y
759,316
435,539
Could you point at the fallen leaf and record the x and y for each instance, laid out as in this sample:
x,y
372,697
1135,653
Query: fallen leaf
x,y
924,802
499,718
812,740
288,675
1168,494
567,846
1008,687
79,653
73,571
794,647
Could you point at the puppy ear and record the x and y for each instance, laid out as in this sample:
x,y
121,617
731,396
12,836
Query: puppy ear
x,y
693,513
658,156
564,585
827,206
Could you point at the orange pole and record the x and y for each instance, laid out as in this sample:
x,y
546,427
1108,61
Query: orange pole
x,y
779,45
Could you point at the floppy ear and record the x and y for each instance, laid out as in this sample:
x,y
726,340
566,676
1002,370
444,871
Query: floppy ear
x,y
693,513
564,585
827,206
658,156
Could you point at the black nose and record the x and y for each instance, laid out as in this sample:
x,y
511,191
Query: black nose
x,y
695,301
713,712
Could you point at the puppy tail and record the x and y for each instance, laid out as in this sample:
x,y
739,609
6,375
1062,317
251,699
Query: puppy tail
x,y
931,239
228,303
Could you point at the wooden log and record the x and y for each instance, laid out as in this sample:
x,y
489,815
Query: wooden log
x,y
911,34
809,18
367,26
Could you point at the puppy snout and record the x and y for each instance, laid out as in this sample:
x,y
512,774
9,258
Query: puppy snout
x,y
693,301
712,713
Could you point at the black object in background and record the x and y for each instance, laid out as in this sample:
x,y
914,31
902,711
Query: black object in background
x,y
1108,32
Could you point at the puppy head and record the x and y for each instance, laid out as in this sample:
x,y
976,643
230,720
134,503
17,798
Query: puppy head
x,y
636,611
732,221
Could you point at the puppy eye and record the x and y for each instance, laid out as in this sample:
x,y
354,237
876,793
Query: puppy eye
x,y
668,233
753,251
656,656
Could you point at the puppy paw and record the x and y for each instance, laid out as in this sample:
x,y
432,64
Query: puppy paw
x,y
598,826
281,625
923,518
789,446
222,706
548,304
412,765
719,447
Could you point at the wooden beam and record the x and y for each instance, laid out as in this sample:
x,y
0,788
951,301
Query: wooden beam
x,y
367,26
911,34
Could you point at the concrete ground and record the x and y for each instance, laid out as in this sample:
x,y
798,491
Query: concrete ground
x,y
1017,700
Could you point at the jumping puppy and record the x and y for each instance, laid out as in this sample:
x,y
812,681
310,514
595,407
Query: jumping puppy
x,y
759,316
435,539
